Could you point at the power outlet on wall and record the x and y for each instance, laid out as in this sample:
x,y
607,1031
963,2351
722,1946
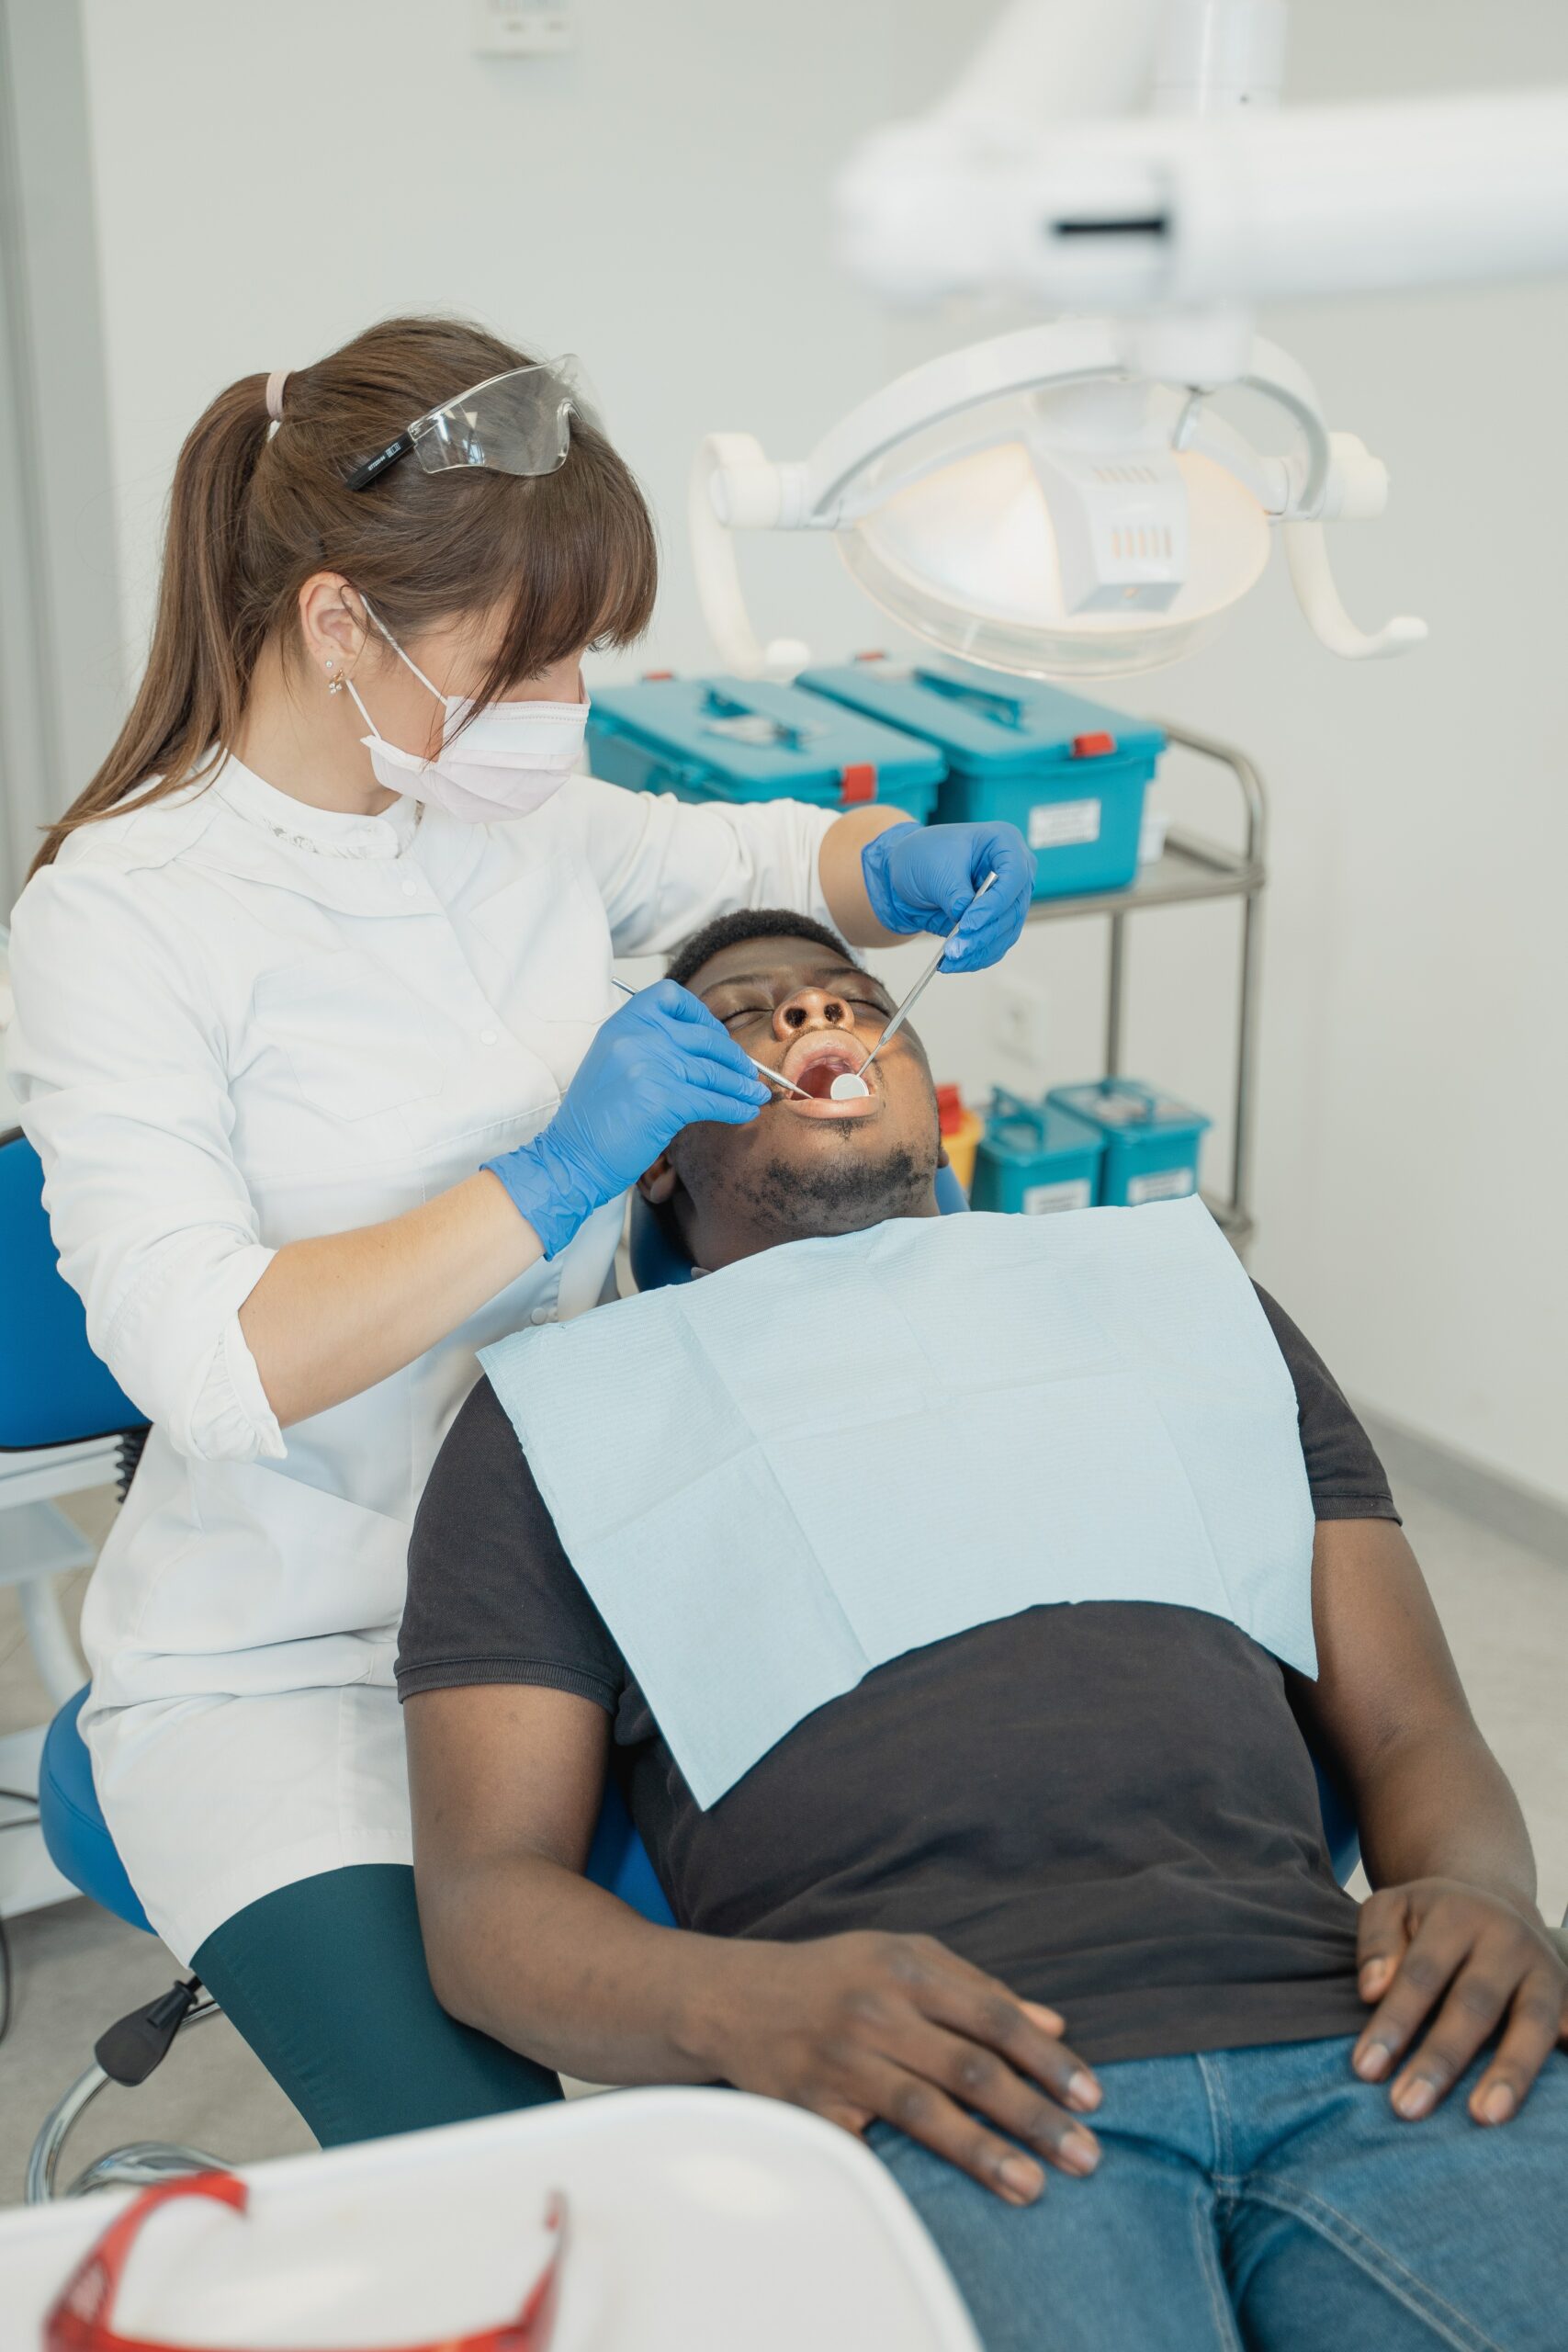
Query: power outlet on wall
x,y
522,28
1022,1026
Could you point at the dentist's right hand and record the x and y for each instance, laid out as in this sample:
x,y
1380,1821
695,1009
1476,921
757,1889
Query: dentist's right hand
x,y
661,1063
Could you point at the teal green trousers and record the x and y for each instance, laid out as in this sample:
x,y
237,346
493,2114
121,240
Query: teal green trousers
x,y
326,1981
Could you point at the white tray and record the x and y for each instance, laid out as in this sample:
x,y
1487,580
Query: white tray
x,y
701,2221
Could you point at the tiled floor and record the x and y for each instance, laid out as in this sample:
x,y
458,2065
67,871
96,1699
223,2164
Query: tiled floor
x,y
76,1969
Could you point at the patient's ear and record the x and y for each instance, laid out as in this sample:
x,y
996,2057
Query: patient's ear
x,y
656,1184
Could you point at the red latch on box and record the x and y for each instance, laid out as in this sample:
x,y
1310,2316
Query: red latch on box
x,y
1093,747
857,782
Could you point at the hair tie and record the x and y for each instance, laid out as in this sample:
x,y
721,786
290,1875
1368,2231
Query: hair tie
x,y
275,383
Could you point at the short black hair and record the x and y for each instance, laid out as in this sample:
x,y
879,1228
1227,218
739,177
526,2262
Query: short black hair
x,y
749,923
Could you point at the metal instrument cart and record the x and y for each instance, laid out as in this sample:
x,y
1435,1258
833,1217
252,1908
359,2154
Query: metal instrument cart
x,y
1193,868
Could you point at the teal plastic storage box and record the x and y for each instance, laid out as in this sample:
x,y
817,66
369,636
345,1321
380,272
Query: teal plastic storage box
x,y
1034,1158
741,739
1069,774
1151,1141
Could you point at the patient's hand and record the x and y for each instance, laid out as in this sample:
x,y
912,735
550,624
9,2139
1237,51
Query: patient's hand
x,y
867,2025
1488,1964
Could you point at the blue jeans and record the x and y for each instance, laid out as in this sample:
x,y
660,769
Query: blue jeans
x,y
1265,2200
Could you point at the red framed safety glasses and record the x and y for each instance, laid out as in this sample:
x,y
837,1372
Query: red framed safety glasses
x,y
82,2319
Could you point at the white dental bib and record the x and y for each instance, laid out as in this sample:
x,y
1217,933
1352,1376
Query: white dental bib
x,y
775,1479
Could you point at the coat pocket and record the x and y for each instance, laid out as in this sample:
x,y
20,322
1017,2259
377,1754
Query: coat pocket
x,y
296,1587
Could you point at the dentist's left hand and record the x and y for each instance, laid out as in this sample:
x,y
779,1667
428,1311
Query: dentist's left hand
x,y
923,878
660,1063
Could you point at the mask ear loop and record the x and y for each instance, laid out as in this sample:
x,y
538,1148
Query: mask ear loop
x,y
364,715
374,617
406,658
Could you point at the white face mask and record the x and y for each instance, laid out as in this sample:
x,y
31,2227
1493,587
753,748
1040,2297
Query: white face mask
x,y
509,758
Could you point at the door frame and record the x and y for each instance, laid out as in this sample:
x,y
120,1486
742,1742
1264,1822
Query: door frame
x,y
62,653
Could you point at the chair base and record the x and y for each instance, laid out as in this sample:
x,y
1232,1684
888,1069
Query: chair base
x,y
139,2164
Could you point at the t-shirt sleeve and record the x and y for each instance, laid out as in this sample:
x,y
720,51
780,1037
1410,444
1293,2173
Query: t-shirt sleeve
x,y
1348,1481
491,1596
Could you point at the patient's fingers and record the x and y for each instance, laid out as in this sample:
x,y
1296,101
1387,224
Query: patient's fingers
x,y
926,2113
980,2080
953,1993
1382,1931
1477,2000
1536,2019
1425,1971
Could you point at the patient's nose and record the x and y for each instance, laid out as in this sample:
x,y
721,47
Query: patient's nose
x,y
811,1009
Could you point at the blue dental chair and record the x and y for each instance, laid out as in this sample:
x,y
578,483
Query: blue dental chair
x,y
54,1391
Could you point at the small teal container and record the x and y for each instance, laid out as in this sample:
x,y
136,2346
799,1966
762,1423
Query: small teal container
x,y
1069,774
1034,1158
743,739
1151,1141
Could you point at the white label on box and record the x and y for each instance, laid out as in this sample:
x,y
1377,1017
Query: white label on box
x,y
1054,824
1170,1185
1039,1200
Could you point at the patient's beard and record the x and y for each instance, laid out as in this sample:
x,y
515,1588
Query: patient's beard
x,y
835,1195
846,1193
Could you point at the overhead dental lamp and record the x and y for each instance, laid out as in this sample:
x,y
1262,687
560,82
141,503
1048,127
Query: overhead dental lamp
x,y
1067,500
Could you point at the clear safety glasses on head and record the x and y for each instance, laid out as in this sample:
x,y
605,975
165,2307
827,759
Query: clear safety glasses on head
x,y
518,422
495,763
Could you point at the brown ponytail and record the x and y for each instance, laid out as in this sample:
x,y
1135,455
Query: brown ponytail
x,y
252,514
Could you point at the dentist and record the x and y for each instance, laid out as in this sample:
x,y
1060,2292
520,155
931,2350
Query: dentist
x,y
316,1038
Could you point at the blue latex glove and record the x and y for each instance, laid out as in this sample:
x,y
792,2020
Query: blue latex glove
x,y
658,1064
921,877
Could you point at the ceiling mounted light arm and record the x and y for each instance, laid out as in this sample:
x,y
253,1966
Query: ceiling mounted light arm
x,y
1040,178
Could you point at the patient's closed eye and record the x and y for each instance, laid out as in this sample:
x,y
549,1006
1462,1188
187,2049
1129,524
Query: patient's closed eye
x,y
868,997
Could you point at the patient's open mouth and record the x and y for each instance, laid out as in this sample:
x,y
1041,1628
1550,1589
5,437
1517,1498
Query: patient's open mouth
x,y
814,1063
817,1076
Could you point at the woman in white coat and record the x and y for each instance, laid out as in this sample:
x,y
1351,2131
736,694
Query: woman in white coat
x,y
316,1038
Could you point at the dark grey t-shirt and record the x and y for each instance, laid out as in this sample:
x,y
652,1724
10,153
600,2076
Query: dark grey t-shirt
x,y
1108,1805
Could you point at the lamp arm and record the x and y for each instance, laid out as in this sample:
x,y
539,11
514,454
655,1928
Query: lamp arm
x,y
1307,555
732,466
1059,61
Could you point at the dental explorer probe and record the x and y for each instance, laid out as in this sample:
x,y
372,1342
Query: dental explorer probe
x,y
773,1076
851,1082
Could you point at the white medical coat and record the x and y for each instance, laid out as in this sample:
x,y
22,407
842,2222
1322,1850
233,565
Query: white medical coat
x,y
241,1020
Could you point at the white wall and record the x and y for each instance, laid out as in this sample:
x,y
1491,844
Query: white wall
x,y
268,181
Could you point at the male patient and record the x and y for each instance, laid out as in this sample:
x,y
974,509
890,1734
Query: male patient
x,y
1065,1860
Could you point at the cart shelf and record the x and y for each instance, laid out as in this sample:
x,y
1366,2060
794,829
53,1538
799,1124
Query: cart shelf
x,y
1193,870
